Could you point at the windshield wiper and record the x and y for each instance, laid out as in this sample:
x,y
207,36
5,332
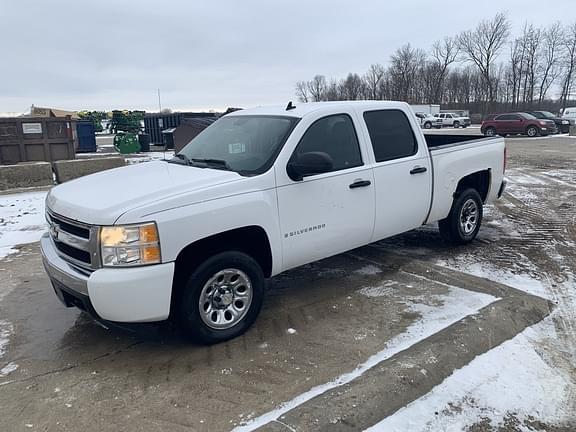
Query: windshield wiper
x,y
181,159
214,163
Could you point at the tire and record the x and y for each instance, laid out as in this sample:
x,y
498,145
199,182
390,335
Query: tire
x,y
456,124
212,320
490,131
427,125
532,131
464,220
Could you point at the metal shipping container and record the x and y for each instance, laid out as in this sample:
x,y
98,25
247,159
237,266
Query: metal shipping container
x,y
27,139
154,123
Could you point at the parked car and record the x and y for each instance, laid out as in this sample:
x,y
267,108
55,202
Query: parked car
x,y
453,120
428,121
516,124
562,124
569,113
258,192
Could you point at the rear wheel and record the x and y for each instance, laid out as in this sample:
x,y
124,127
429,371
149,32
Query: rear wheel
x,y
222,298
464,220
532,131
490,131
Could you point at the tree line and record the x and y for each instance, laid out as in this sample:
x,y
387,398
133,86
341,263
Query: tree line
x,y
481,69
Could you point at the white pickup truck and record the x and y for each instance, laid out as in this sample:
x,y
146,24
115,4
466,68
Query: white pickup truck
x,y
452,120
257,193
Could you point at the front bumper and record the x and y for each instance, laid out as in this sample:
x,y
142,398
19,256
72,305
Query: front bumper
x,y
124,295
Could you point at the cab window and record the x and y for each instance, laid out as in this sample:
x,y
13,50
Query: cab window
x,y
334,135
391,134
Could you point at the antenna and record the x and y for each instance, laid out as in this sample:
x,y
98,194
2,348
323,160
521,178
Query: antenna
x,y
290,106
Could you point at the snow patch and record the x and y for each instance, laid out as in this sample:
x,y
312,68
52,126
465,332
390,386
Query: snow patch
x,y
21,220
511,379
6,330
457,304
8,369
368,270
379,291
522,282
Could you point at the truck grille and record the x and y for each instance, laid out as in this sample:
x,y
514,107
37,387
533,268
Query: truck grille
x,y
72,239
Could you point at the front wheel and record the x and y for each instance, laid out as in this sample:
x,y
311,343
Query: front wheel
x,y
464,220
490,131
532,131
427,125
222,298
456,125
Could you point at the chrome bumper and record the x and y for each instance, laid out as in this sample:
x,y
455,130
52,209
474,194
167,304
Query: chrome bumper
x,y
60,270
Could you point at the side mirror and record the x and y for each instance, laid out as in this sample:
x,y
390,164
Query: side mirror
x,y
309,164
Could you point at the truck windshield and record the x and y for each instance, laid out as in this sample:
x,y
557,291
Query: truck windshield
x,y
247,144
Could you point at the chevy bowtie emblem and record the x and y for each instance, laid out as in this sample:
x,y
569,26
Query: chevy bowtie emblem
x,y
54,231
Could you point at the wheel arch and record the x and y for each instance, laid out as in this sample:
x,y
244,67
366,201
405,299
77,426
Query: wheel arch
x,y
479,180
252,240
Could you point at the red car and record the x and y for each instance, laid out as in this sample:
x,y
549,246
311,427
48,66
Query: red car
x,y
517,124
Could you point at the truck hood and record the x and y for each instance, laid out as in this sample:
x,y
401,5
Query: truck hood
x,y
101,198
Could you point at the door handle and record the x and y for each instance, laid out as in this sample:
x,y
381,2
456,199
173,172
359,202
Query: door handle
x,y
360,183
418,170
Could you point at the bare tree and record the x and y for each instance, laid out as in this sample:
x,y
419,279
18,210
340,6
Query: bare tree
x,y
372,81
531,37
333,91
317,88
570,62
302,91
405,63
482,46
551,50
444,53
351,88
516,70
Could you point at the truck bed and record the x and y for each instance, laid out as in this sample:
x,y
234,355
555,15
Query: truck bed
x,y
434,141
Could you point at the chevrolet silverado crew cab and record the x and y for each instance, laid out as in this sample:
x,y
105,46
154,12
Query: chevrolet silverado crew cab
x,y
259,192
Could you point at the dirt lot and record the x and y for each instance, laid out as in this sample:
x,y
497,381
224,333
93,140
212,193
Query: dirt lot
x,y
405,334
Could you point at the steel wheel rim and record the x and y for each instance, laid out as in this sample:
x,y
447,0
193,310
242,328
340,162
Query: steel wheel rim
x,y
469,216
225,299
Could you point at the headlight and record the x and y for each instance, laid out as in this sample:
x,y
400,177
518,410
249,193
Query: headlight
x,y
129,245
565,122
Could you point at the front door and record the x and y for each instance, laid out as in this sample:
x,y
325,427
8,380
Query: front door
x,y
328,213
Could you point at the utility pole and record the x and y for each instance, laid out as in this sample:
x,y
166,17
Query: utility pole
x,y
159,103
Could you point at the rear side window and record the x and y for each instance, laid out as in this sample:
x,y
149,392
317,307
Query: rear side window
x,y
508,117
391,135
336,136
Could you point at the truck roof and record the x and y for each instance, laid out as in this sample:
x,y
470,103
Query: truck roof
x,y
302,109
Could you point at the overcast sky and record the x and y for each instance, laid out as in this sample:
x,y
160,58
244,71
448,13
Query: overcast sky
x,y
109,54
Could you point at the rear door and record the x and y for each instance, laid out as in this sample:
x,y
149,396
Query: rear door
x,y
402,172
328,213
504,123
